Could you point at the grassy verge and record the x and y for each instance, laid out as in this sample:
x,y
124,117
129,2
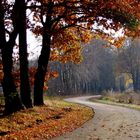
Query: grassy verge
x,y
55,118
132,106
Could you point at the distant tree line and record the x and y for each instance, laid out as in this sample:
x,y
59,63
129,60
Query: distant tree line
x,y
102,69
95,74
129,61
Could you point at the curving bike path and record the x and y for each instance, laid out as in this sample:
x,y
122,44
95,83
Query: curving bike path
x,y
109,123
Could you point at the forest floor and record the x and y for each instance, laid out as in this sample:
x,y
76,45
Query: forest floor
x,y
41,123
109,123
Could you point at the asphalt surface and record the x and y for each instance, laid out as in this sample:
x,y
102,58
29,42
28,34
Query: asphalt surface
x,y
109,123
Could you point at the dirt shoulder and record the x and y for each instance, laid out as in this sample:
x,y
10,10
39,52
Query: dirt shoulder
x,y
110,123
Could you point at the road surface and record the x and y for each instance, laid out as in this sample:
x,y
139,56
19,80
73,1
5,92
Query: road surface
x,y
109,123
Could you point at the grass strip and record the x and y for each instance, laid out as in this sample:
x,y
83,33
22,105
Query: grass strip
x,y
132,106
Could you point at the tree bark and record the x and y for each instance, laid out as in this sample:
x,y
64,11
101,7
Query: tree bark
x,y
41,70
136,79
44,57
12,100
25,91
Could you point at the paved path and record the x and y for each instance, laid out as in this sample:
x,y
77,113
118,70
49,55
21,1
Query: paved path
x,y
109,123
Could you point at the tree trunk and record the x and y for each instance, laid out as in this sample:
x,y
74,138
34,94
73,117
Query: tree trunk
x,y
43,58
136,79
24,77
41,70
12,100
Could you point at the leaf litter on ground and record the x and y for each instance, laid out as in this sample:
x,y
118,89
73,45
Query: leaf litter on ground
x,y
53,119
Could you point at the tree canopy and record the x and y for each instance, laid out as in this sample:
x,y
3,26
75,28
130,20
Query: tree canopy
x,y
64,26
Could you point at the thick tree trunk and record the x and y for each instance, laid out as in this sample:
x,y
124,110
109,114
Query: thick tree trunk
x,y
12,101
24,77
43,58
41,70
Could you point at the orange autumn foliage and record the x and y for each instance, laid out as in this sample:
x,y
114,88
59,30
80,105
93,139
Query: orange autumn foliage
x,y
66,42
67,45
32,71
